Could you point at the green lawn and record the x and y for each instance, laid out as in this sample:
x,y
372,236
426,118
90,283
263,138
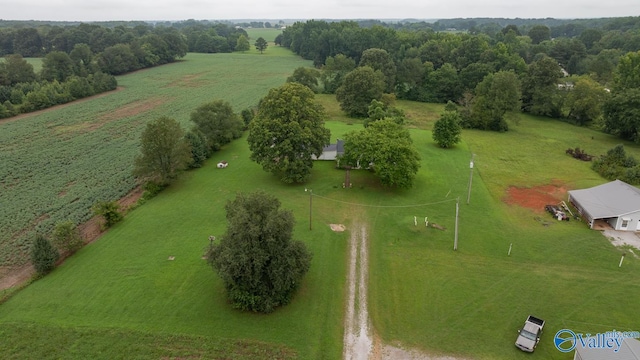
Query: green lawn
x,y
424,294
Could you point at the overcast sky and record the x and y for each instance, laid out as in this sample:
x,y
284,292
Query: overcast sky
x,y
101,10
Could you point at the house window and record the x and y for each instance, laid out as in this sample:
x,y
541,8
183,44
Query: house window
x,y
625,222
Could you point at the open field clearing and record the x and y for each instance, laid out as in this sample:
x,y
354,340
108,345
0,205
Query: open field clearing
x,y
421,294
55,164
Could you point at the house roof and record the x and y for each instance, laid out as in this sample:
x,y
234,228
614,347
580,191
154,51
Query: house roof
x,y
608,200
338,147
629,350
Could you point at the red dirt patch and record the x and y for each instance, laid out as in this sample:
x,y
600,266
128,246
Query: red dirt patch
x,y
535,198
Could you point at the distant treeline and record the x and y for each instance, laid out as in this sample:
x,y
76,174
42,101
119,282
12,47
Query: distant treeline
x,y
579,70
81,60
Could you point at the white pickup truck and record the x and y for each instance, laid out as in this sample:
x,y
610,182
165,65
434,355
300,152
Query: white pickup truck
x,y
529,335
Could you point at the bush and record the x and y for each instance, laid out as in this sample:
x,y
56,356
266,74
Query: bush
x,y
43,255
110,212
66,237
151,189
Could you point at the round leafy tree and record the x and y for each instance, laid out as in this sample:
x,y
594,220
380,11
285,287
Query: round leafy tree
x,y
260,265
287,130
447,130
359,87
386,148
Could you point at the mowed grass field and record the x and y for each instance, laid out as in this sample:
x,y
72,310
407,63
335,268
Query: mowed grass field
x,y
55,164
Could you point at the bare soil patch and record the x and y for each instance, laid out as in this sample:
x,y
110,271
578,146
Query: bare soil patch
x,y
535,198
90,232
337,227
132,109
189,81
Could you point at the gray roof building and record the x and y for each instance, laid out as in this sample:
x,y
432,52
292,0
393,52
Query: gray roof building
x,y
615,202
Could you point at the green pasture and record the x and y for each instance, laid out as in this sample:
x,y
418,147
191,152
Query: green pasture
x,y
36,63
56,163
470,302
267,34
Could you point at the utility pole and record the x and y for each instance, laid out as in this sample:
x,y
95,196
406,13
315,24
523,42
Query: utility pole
x,y
470,177
310,205
455,239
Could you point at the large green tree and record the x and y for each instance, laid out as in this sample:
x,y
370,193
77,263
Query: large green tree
x,y
305,76
495,95
585,101
218,123
286,131
261,44
386,147
15,69
334,71
380,60
164,151
359,87
540,94
622,109
622,114
57,65
259,263
242,44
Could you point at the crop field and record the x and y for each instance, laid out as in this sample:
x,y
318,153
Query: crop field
x,y
55,164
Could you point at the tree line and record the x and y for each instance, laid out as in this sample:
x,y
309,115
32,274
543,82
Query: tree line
x,y
577,78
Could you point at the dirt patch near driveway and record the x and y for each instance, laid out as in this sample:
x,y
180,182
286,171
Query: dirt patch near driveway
x,y
535,198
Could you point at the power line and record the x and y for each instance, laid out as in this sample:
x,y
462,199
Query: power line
x,y
383,206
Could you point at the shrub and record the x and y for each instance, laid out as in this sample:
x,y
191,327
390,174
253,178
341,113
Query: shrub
x,y
66,237
43,255
110,212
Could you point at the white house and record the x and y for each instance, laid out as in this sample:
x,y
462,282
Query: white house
x,y
616,203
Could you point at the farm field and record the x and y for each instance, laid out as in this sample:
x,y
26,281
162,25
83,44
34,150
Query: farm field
x,y
55,164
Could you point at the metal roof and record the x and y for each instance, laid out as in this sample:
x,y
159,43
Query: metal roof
x,y
608,200
629,350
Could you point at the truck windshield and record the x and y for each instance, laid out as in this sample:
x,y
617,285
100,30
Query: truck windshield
x,y
528,335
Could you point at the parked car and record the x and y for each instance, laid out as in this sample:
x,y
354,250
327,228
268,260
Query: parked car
x,y
529,335
556,212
